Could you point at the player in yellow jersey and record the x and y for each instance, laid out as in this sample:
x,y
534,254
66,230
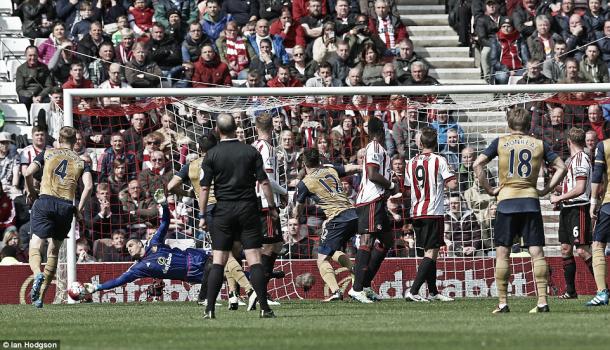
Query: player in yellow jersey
x,y
323,185
601,233
520,158
53,209
190,174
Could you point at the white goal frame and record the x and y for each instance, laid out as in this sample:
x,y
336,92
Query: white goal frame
x,y
69,94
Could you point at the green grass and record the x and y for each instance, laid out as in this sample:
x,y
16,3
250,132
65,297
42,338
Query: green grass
x,y
388,325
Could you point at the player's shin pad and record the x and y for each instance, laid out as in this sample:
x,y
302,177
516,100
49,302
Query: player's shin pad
x,y
599,268
502,274
49,273
541,271
328,275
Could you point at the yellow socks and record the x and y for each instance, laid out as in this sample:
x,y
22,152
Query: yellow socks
x,y
599,268
502,274
541,272
328,275
35,260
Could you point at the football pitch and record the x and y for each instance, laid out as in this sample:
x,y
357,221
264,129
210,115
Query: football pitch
x,y
390,324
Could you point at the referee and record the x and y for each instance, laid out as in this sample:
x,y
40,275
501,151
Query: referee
x,y
234,168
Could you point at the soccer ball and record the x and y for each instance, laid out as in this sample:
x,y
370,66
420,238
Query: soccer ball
x,y
76,291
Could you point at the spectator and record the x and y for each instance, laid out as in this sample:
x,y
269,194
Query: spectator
x,y
524,16
597,123
68,11
118,179
291,34
193,43
116,252
477,199
37,18
33,81
7,210
562,18
156,177
235,51
442,124
11,239
591,141
419,75
253,80
209,70
465,172
351,137
39,144
124,51
340,60
243,11
577,37
603,40
212,22
345,17
326,44
360,35
86,154
176,29
595,16
324,77
167,130
534,74
8,256
114,82
313,21
141,17
133,136
299,67
506,53
185,9
102,215
370,65
354,77
9,165
89,46
463,229
117,151
388,74
556,67
283,78
82,22
309,128
387,26
77,79
183,77
272,9
407,126
554,132
277,45
165,51
572,72
540,43
48,47
202,126
592,68
99,69
460,18
139,210
287,157
141,71
82,252
61,63
265,64
452,149
402,62
298,244
121,23
152,143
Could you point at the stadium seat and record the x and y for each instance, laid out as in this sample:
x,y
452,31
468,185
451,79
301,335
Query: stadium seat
x,y
19,129
4,76
6,8
11,66
10,25
15,113
181,244
35,108
13,47
8,91
39,41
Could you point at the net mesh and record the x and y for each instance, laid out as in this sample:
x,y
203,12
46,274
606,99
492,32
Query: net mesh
x,y
336,125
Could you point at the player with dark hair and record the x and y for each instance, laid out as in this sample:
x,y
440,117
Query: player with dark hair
x,y
271,228
52,213
574,219
190,174
520,158
373,223
158,260
427,174
323,185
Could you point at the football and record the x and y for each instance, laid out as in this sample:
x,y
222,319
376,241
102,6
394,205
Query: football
x,y
76,291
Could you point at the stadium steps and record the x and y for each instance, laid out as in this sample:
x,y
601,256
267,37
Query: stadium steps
x,y
434,40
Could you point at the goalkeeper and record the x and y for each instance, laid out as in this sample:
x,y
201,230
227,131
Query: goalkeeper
x,y
157,260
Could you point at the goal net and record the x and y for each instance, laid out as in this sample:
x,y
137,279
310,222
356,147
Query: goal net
x,y
336,124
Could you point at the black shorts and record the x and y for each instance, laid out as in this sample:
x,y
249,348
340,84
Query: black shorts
x,y
271,228
373,218
602,226
236,221
529,226
575,225
51,217
429,232
338,231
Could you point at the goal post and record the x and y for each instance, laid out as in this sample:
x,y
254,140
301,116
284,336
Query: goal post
x,y
457,99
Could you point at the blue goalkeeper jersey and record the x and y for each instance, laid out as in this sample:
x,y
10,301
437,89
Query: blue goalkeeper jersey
x,y
161,261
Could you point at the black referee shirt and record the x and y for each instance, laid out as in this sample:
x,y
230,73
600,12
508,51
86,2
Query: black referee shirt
x,y
234,168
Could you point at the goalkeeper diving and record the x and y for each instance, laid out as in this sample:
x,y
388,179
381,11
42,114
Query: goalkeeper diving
x,y
157,260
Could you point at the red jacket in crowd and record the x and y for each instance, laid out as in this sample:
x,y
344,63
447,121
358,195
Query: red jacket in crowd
x,y
300,9
395,23
295,35
71,84
211,73
143,17
509,46
275,82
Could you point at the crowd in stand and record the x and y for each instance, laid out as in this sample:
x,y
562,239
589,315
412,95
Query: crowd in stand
x,y
275,43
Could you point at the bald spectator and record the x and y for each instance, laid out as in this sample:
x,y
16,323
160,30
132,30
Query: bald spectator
x,y
141,71
597,123
591,141
354,77
209,70
141,211
406,57
114,82
554,132
99,69
313,21
577,36
388,27
133,136
419,75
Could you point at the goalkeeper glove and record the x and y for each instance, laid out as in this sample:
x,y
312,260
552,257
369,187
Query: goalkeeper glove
x,y
91,288
160,196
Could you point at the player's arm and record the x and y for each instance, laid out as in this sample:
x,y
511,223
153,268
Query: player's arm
x,y
159,236
134,272
480,164
373,174
597,179
351,169
204,192
579,189
300,197
560,171
29,172
175,186
86,194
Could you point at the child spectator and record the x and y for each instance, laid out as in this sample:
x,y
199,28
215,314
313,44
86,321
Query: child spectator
x,y
82,252
140,17
122,23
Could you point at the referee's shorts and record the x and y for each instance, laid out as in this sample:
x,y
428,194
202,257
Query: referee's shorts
x,y
236,221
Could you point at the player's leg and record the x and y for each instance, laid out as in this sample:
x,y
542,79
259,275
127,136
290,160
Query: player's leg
x,y
328,275
541,273
584,252
272,243
257,276
385,240
334,235
426,268
569,271
502,273
51,266
203,291
235,275
219,260
600,238
35,261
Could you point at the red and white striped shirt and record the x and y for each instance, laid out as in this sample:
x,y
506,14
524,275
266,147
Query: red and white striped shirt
x,y
376,156
579,168
270,164
426,174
